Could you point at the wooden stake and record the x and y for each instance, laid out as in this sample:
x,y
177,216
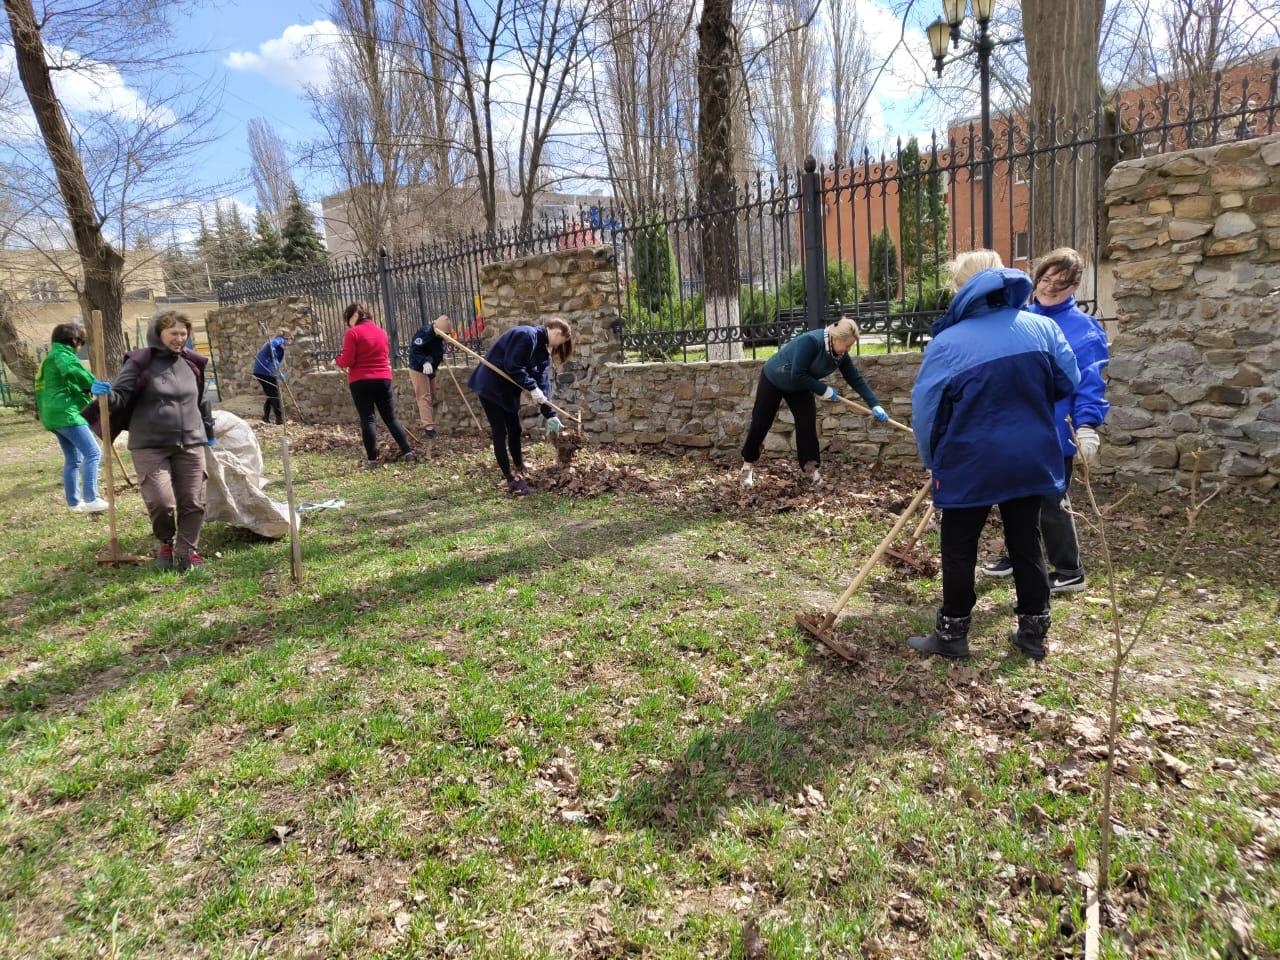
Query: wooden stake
x,y
99,362
295,545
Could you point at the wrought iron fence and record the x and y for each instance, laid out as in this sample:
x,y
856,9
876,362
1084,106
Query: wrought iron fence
x,y
868,240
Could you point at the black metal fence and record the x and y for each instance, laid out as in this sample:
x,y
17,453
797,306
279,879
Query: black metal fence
x,y
868,240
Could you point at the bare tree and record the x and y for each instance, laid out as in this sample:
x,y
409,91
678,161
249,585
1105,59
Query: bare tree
x,y
719,70
271,173
107,175
370,113
792,61
640,95
1062,71
850,66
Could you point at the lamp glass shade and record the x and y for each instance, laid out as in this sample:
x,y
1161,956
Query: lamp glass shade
x,y
939,33
953,11
983,9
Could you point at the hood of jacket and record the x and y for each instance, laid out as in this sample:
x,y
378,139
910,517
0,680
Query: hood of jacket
x,y
994,289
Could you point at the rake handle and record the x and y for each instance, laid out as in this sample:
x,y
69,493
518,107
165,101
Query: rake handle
x,y
867,567
99,356
861,409
502,373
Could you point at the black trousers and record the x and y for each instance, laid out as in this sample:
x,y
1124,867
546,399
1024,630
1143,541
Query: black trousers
x,y
271,388
504,429
961,528
1058,528
765,411
371,396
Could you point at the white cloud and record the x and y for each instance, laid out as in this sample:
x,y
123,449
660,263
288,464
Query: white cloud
x,y
86,87
296,59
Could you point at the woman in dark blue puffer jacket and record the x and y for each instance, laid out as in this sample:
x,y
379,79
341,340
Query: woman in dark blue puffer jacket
x,y
983,413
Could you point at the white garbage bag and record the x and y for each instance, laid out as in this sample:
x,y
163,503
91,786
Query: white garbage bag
x,y
234,494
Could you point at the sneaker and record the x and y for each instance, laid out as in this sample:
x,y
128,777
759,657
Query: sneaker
x,y
429,432
517,487
410,457
747,476
93,506
164,556
1066,582
190,561
76,507
816,477
999,567
372,464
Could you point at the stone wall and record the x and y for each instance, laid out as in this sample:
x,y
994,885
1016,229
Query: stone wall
x,y
237,333
1195,240
699,408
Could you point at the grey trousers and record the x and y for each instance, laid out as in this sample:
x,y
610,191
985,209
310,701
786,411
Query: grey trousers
x,y
173,479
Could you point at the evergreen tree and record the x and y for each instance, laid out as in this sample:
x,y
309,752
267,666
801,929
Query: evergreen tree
x,y
266,255
922,213
653,265
303,245
883,283
238,244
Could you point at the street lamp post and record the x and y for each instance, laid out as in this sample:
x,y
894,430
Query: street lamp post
x,y
947,27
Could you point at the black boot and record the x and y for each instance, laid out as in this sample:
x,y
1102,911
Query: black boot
x,y
950,638
1029,637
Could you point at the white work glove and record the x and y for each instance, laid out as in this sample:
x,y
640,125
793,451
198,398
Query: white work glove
x,y
538,395
831,394
1087,442
428,369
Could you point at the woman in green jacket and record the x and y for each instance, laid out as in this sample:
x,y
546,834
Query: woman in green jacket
x,y
62,391
794,375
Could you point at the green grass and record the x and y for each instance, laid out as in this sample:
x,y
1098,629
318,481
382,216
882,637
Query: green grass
x,y
563,727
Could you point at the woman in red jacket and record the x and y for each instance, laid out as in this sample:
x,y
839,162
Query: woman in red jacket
x,y
366,356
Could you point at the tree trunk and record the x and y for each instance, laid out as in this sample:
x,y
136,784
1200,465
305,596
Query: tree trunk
x,y
717,68
103,266
1062,70
14,352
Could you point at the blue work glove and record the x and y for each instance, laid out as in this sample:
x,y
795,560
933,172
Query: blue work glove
x,y
831,394
280,376
100,388
554,425
878,412
212,442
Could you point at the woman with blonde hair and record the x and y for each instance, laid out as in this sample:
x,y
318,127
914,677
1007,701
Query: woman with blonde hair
x,y
982,410
794,374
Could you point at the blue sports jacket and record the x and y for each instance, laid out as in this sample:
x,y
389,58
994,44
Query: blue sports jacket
x,y
804,360
983,403
521,352
1088,341
270,358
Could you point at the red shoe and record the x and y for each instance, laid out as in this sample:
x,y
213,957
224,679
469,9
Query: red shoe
x,y
192,561
164,556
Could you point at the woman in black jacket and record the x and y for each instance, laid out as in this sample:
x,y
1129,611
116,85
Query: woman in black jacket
x,y
426,353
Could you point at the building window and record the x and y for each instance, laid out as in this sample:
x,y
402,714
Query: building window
x,y
1020,171
1021,245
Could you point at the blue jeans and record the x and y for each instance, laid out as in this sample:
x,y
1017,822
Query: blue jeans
x,y
81,453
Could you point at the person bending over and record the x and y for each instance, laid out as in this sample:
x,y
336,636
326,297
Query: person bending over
x,y
794,374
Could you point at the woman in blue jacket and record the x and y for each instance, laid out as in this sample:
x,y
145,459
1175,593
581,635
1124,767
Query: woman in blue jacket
x,y
795,374
524,354
267,371
983,413
1056,279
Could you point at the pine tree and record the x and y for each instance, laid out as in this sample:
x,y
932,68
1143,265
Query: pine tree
x,y
653,264
303,245
922,213
238,244
266,255
883,284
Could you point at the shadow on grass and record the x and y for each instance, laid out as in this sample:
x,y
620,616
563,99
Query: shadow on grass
x,y
836,714
171,642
